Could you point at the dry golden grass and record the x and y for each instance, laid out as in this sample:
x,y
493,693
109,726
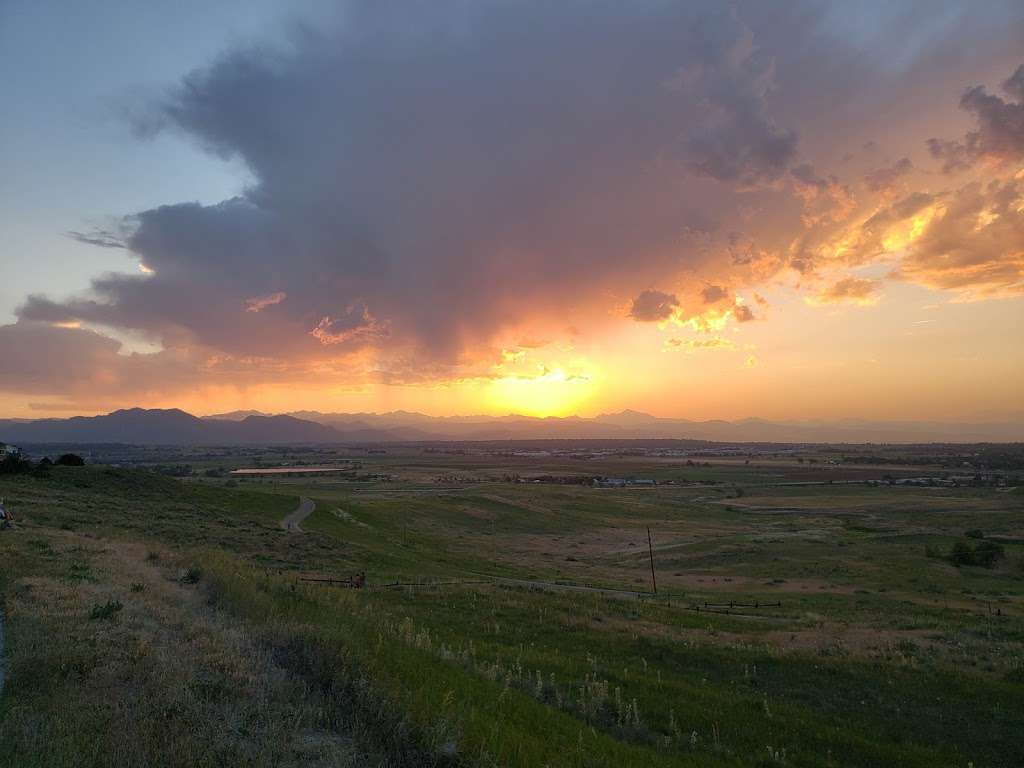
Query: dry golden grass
x,y
164,680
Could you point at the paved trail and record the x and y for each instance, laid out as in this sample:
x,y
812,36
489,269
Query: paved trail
x,y
304,510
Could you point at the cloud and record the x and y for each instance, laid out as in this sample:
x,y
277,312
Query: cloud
x,y
432,182
889,229
974,244
259,303
714,293
693,345
737,140
969,240
653,306
418,163
355,323
101,238
44,359
886,178
999,136
743,313
849,290
824,197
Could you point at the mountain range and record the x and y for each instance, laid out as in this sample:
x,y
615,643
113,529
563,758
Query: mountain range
x,y
176,427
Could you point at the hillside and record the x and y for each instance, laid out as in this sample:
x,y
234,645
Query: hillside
x,y
167,427
176,427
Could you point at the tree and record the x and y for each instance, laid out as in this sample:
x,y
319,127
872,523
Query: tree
x,y
14,464
70,460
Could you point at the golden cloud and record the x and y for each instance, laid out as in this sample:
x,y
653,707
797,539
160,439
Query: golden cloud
x,y
849,290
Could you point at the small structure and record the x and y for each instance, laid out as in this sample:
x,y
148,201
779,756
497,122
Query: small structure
x,y
8,450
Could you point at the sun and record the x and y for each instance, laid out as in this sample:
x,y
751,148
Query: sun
x,y
553,392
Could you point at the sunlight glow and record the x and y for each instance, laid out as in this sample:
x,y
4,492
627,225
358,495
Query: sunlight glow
x,y
904,234
554,392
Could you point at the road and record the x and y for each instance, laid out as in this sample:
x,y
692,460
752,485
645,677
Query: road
x,y
304,510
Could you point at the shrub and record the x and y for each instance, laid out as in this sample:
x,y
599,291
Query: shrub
x,y
70,460
961,554
192,575
107,611
988,553
14,464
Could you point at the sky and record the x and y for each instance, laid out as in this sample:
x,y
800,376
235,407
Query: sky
x,y
789,210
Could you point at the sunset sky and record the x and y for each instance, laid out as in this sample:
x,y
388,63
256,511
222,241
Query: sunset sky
x,y
790,210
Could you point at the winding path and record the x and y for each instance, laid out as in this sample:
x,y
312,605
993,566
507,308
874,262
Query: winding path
x,y
304,510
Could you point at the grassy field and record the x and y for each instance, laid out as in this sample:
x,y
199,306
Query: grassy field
x,y
159,621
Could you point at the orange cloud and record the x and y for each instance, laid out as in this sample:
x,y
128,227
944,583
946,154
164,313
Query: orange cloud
x,y
849,290
974,245
886,179
692,345
259,303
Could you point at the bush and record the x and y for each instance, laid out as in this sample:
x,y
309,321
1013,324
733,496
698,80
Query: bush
x,y
974,533
106,611
70,460
961,554
986,554
14,464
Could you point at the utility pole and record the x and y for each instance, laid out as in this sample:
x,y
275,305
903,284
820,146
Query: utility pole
x,y
650,551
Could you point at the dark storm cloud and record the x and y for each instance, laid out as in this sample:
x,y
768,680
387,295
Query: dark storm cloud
x,y
447,168
45,360
429,175
736,140
714,293
999,136
652,306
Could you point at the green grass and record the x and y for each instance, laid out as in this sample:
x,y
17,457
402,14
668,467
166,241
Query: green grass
x,y
878,654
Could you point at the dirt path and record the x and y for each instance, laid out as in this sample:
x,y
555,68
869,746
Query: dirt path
x,y
304,510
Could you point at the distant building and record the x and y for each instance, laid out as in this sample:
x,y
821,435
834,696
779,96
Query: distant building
x,y
8,450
